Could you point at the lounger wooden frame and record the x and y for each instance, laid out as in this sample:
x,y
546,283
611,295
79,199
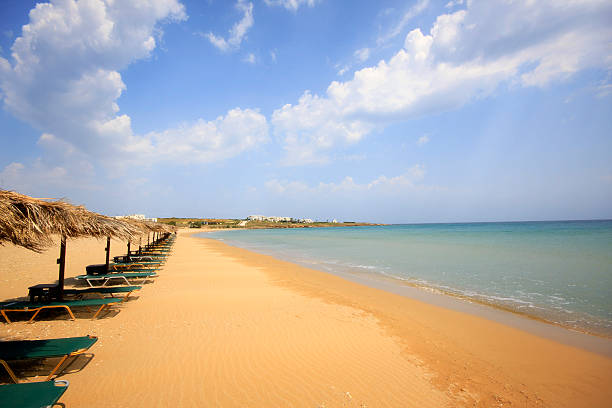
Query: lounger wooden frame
x,y
107,278
37,310
64,358
123,298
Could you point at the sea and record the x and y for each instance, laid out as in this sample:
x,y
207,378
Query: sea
x,y
557,271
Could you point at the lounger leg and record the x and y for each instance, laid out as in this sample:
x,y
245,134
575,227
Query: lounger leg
x,y
89,282
34,315
57,367
5,316
99,310
69,312
9,371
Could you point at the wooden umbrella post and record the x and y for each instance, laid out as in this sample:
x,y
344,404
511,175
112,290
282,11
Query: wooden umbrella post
x,y
62,267
107,254
128,253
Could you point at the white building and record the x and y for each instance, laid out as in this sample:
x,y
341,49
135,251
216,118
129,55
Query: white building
x,y
270,219
139,217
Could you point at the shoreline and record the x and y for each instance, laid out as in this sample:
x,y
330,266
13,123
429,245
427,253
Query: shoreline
x,y
592,342
477,305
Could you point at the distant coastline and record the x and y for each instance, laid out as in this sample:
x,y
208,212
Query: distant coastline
x,y
222,223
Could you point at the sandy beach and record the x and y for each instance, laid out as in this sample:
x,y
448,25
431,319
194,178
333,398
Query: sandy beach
x,y
226,327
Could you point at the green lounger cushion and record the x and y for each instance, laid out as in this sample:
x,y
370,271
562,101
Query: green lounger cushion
x,y
22,349
119,275
32,395
128,270
102,289
69,303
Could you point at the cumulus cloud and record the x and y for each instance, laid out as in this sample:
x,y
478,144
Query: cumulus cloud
x,y
205,141
291,5
64,79
239,30
466,55
313,126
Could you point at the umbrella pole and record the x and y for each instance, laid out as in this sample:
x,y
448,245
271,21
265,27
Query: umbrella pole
x,y
107,254
128,254
139,245
62,267
148,243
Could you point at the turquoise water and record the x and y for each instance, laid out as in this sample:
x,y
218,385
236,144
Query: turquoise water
x,y
557,271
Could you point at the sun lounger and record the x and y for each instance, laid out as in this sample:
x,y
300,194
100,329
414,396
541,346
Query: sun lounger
x,y
103,290
145,259
26,306
36,349
126,267
32,395
125,276
133,267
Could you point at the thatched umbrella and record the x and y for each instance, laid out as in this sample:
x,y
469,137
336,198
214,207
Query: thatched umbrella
x,y
136,225
142,227
32,223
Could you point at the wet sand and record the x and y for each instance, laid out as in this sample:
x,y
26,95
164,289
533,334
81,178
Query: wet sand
x,y
225,327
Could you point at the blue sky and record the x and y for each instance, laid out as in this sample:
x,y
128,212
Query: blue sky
x,y
385,111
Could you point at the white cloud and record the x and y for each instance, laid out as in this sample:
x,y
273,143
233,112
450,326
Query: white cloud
x,y
400,26
204,141
604,90
362,54
454,3
291,5
64,76
239,30
63,79
422,140
250,58
396,184
312,126
466,56
43,175
343,70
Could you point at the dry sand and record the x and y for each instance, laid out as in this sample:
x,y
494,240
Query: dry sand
x,y
225,327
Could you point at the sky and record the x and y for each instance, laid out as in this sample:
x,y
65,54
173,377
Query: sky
x,y
381,111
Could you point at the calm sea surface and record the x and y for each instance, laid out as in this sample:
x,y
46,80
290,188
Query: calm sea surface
x,y
557,271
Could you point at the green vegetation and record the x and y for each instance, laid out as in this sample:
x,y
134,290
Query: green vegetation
x,y
200,222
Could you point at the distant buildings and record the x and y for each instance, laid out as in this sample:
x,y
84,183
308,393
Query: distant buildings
x,y
279,219
139,217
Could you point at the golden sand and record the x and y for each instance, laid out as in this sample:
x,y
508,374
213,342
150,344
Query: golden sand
x,y
225,327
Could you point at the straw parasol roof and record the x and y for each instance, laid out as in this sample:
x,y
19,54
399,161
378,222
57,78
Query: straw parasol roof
x,y
31,222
